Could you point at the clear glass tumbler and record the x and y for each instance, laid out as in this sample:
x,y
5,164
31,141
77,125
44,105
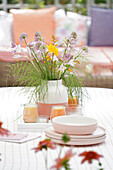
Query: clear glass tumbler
x,y
72,101
73,109
57,111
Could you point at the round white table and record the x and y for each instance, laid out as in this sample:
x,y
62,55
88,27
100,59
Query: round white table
x,y
14,156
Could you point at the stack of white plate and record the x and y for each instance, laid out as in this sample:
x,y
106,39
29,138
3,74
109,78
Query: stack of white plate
x,y
79,130
97,137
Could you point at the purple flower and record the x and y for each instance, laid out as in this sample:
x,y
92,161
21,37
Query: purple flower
x,y
23,36
74,35
13,51
38,36
71,39
30,44
16,49
71,63
67,57
38,45
13,45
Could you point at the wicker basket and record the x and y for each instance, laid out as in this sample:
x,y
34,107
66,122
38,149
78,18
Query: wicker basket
x,y
92,81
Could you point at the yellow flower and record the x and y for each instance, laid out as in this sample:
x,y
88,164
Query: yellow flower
x,y
52,49
77,61
55,51
49,67
44,61
48,57
69,70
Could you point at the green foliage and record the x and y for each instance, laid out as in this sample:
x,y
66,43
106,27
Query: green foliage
x,y
13,1
65,138
82,11
46,62
34,4
66,165
24,74
100,1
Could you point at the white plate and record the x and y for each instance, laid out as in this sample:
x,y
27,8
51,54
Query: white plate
x,y
100,131
80,141
77,140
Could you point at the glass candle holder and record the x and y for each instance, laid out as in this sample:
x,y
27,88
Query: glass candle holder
x,y
57,111
30,113
72,101
73,109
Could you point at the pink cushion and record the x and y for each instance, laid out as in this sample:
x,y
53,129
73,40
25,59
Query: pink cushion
x,y
29,21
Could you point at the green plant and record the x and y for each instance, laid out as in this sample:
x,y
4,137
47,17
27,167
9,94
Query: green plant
x,y
45,62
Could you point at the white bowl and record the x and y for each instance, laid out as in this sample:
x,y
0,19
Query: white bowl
x,y
75,125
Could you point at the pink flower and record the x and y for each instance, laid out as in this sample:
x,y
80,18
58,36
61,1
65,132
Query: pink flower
x,y
63,162
89,156
3,131
47,143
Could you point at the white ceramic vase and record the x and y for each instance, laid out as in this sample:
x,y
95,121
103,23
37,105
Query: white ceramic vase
x,y
56,95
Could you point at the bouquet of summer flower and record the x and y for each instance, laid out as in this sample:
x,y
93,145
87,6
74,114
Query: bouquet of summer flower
x,y
48,62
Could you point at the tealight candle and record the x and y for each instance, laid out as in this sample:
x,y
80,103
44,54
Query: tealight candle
x,y
43,119
30,113
57,111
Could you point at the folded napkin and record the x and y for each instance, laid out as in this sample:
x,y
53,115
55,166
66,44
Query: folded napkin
x,y
18,138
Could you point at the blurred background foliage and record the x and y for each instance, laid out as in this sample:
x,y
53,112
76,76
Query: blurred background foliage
x,y
41,4
81,10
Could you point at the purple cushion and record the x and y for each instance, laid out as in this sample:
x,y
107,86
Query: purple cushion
x,y
101,29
